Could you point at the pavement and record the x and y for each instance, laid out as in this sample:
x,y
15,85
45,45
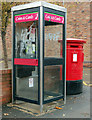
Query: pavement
x,y
77,106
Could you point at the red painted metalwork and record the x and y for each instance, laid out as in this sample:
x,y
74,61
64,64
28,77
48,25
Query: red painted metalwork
x,y
22,61
74,66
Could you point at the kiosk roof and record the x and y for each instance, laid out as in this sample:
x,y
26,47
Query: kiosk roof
x,y
38,4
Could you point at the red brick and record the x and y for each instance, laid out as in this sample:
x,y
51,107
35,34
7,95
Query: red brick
x,y
9,71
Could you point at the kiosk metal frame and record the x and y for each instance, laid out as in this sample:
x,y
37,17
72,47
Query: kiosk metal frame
x,y
40,7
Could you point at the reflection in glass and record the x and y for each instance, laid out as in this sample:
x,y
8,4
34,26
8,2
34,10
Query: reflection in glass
x,y
53,33
27,82
26,46
26,39
53,83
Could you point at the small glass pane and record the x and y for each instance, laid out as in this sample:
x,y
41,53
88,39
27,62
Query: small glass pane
x,y
53,83
26,39
27,82
53,38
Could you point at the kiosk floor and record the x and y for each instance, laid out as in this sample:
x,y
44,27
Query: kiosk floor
x,y
34,109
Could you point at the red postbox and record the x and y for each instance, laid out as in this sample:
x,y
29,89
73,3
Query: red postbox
x,y
74,65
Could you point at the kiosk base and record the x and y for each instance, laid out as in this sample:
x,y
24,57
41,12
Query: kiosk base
x,y
74,87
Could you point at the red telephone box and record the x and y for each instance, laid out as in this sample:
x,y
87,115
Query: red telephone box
x,y
74,65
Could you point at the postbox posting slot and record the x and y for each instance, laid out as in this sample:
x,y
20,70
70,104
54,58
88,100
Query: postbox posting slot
x,y
74,46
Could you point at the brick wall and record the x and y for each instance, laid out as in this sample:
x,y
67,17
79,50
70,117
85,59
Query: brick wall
x,y
78,24
5,83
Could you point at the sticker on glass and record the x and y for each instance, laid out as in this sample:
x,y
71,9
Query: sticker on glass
x,y
74,57
30,82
